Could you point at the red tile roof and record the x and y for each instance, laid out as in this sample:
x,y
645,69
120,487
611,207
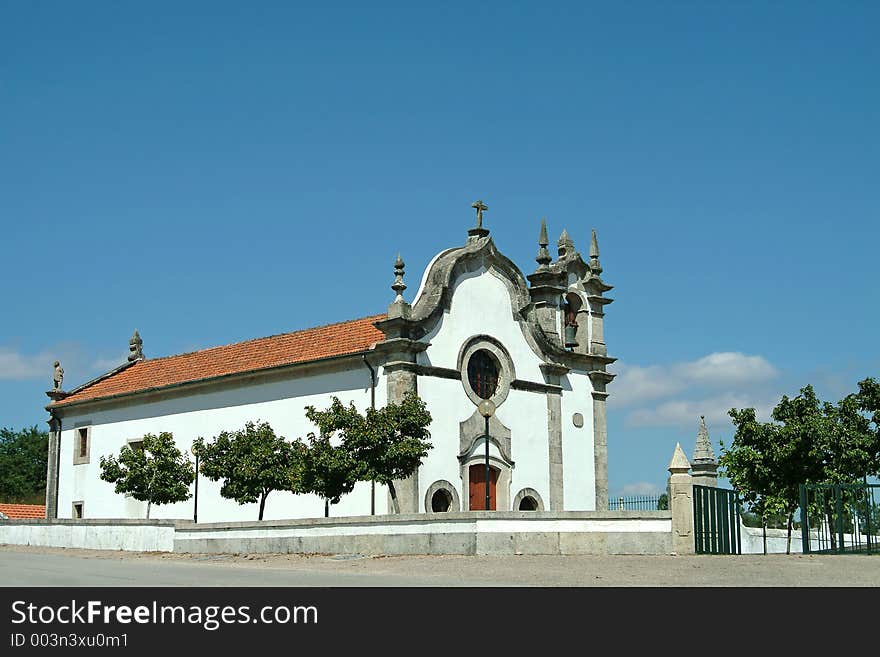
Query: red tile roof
x,y
19,511
262,353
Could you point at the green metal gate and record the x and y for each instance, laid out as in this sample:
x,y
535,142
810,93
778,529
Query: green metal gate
x,y
716,521
840,518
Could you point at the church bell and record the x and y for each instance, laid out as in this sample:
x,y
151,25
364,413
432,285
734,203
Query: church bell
x,y
571,337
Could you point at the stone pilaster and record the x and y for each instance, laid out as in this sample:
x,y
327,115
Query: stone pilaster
x,y
402,379
597,329
399,354
552,375
599,379
52,467
681,502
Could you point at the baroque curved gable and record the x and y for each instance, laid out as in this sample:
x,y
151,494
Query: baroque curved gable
x,y
435,295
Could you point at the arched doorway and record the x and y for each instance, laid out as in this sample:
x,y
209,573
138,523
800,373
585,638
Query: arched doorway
x,y
477,486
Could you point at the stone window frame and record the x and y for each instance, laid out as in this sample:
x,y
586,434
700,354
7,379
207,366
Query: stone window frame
x,y
506,372
82,513
528,492
77,442
442,484
132,441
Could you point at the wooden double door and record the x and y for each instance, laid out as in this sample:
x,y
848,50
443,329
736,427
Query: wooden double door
x,y
477,479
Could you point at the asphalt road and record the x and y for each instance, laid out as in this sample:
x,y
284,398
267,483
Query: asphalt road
x,y
30,566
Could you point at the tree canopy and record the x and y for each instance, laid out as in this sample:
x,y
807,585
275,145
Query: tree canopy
x,y
152,471
23,457
328,470
385,444
252,462
806,441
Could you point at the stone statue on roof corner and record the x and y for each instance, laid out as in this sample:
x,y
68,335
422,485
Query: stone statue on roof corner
x,y
58,376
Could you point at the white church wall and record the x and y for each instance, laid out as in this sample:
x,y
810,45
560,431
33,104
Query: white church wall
x,y
577,443
480,305
524,412
281,403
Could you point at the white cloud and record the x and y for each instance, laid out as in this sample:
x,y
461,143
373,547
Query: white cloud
x,y
20,367
640,488
686,412
676,395
636,384
725,368
104,365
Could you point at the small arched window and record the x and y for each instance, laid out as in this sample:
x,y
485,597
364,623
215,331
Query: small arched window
x,y
528,503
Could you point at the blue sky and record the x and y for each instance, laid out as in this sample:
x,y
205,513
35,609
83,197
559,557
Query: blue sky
x,y
213,172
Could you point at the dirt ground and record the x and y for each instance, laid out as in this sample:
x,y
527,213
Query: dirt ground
x,y
43,566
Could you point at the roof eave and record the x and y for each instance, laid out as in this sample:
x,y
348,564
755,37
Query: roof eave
x,y
197,383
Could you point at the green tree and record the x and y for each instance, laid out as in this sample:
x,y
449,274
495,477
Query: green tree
x,y
154,471
768,461
385,444
23,457
850,448
252,462
663,502
328,470
807,441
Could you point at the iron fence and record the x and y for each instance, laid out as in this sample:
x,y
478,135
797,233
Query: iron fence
x,y
840,518
635,503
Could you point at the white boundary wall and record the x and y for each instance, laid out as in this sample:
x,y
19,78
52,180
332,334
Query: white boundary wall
x,y
137,536
584,532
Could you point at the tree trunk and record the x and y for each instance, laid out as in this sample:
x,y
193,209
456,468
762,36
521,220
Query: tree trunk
x,y
326,508
788,540
395,505
148,509
263,503
764,531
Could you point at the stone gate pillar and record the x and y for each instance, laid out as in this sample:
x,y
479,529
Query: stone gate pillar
x,y
681,502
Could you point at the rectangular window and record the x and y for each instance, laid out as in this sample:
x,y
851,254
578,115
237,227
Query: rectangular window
x,y
77,510
82,444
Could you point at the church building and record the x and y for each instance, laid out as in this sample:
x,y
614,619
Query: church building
x,y
477,329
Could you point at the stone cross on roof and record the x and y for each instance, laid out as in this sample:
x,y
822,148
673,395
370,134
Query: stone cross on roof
x,y
479,206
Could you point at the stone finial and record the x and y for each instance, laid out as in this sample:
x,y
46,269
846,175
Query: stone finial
x,y
703,449
398,286
57,376
544,259
565,245
135,347
594,254
679,463
704,467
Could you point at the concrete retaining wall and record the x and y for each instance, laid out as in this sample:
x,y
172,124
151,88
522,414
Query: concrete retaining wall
x,y
132,535
574,532
513,532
